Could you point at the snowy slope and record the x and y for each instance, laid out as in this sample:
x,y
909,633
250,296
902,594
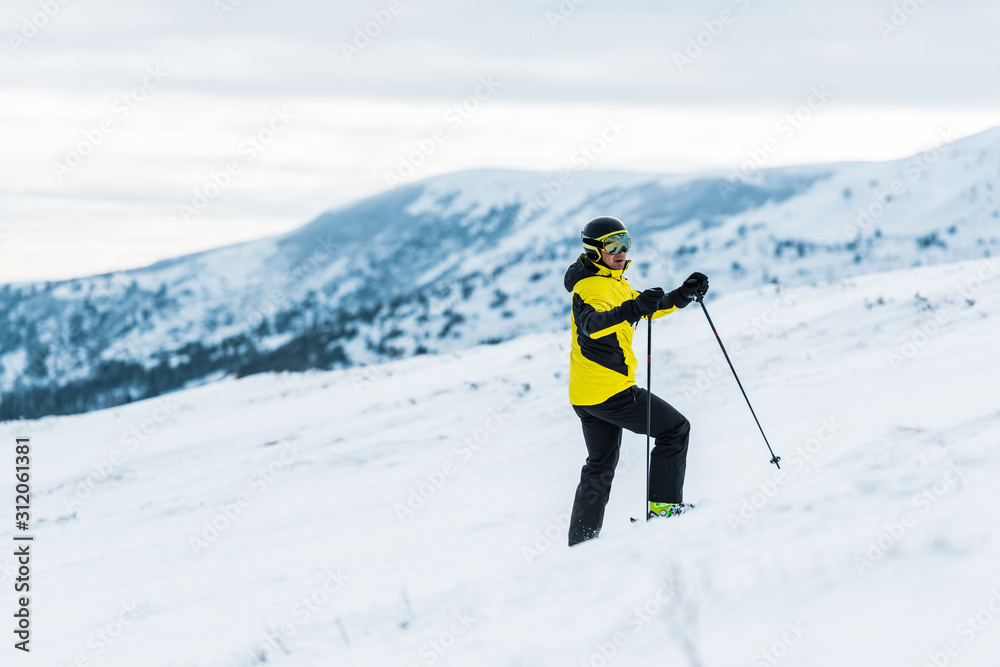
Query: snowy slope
x,y
413,512
466,258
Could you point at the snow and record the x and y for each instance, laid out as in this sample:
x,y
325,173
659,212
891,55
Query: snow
x,y
505,235
414,512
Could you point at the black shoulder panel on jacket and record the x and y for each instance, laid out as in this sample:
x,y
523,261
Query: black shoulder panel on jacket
x,y
577,271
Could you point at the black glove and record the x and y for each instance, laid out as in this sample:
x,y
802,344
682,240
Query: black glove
x,y
649,301
696,285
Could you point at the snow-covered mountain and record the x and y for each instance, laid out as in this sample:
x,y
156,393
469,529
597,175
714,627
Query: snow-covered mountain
x,y
414,512
475,257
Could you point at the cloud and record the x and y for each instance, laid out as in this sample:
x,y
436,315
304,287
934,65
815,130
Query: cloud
x,y
751,63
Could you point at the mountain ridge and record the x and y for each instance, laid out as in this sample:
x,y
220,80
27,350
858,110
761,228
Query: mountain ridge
x,y
473,257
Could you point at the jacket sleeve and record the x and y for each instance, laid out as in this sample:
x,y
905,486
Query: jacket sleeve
x,y
675,300
664,311
671,302
596,317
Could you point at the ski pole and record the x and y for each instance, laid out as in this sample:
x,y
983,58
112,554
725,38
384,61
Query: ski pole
x,y
649,402
774,458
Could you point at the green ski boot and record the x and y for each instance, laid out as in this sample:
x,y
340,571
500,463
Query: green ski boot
x,y
668,509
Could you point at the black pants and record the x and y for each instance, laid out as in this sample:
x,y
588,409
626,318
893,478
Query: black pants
x,y
602,431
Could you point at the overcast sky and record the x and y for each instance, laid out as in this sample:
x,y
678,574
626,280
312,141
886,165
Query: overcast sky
x,y
116,115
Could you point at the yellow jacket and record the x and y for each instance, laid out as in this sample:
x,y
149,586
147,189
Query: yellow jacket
x,y
604,318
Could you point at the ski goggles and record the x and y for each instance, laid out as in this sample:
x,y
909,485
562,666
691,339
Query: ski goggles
x,y
616,242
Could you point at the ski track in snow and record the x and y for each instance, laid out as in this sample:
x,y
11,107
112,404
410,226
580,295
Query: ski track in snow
x,y
308,476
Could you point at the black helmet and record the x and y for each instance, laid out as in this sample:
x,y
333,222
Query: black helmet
x,y
597,230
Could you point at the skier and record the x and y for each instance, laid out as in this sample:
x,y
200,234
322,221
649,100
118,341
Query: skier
x,y
602,387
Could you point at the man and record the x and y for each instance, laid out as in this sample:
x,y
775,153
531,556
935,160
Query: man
x,y
602,387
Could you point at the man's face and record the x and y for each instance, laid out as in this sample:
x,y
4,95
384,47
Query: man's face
x,y
616,262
